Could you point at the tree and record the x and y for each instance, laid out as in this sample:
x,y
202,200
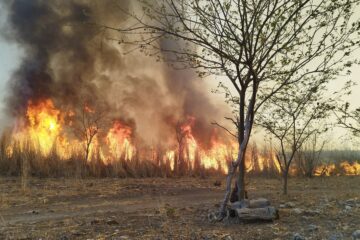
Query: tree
x,y
179,160
349,119
292,117
88,124
309,154
258,47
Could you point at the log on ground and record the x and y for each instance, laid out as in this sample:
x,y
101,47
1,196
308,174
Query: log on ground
x,y
254,203
268,213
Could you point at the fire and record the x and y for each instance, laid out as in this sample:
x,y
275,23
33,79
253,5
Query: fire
x,y
350,168
119,141
325,170
45,124
43,127
213,158
170,155
344,168
47,128
261,161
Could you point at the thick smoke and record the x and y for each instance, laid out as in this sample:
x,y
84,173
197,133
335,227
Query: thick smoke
x,y
68,58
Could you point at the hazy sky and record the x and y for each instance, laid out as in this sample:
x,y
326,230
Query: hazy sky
x,y
10,56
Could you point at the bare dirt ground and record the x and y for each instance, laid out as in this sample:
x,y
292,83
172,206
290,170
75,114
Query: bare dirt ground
x,y
319,208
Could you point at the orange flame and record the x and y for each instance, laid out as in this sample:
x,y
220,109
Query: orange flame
x,y
119,140
44,125
45,128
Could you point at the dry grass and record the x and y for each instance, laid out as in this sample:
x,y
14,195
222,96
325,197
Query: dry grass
x,y
25,160
173,208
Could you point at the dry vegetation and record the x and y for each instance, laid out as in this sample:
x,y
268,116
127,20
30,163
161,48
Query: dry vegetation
x,y
26,159
173,208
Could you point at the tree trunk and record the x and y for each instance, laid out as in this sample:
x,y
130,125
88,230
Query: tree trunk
x,y
87,152
241,180
285,181
243,142
241,139
175,165
232,169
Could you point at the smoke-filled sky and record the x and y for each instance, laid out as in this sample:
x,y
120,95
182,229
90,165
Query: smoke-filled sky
x,y
43,54
59,54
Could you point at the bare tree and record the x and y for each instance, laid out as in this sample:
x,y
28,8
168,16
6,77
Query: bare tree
x,y
308,156
179,161
292,117
88,124
258,46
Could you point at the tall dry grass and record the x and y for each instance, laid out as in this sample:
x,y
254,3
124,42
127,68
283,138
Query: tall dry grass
x,y
26,160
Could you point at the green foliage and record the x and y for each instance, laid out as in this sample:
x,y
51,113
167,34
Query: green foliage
x,y
348,119
294,115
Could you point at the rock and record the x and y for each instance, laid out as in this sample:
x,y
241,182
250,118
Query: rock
x,y
282,206
123,237
297,236
313,228
217,183
228,237
352,202
112,222
312,212
64,237
33,212
212,217
356,235
345,227
336,236
297,210
240,204
348,208
94,222
290,205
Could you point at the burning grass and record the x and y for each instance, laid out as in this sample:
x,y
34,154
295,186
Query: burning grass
x,y
52,142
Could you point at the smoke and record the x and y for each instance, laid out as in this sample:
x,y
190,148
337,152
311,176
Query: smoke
x,y
68,59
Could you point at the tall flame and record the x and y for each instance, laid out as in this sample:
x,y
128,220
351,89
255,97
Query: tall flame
x,y
119,141
43,128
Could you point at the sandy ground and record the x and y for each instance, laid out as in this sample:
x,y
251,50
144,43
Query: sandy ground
x,y
319,208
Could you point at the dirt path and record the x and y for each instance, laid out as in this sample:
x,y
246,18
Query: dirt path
x,y
71,208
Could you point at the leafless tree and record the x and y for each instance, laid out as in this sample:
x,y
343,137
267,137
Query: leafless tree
x,y
308,156
89,121
179,161
258,46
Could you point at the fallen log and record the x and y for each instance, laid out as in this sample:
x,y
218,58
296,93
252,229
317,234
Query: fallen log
x,y
257,214
259,203
255,203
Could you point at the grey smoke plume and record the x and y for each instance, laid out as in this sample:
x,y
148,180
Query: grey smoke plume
x,y
68,58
